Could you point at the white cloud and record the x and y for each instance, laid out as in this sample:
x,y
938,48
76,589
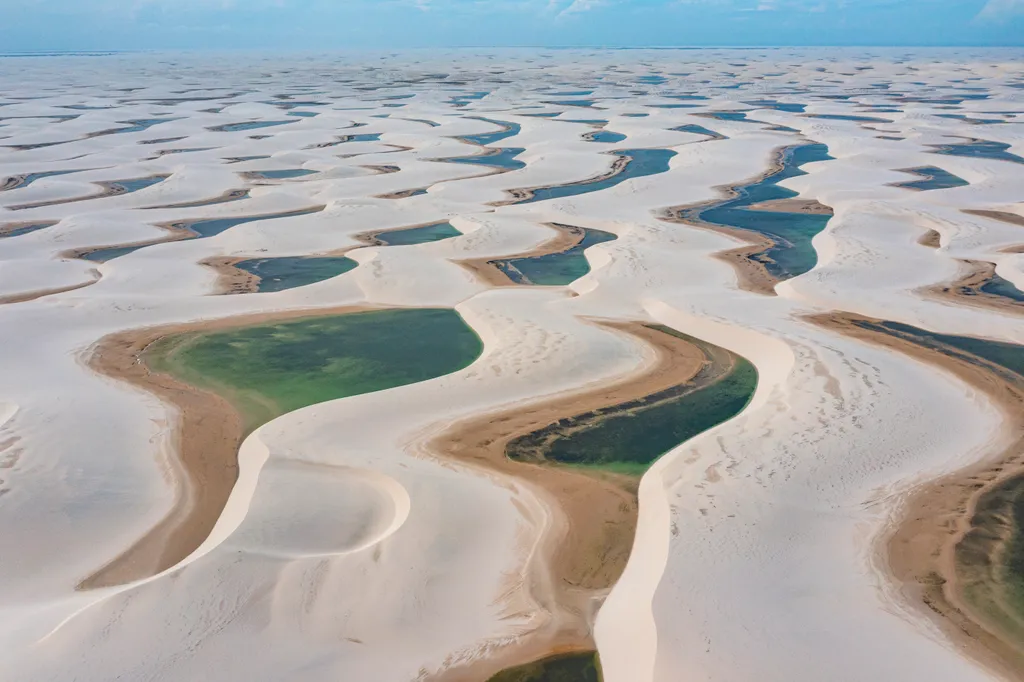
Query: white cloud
x,y
998,10
578,7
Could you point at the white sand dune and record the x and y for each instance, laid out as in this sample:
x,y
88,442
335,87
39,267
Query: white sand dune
x,y
349,551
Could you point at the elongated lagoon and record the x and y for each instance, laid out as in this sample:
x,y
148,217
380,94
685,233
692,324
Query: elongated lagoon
x,y
629,437
200,229
630,163
791,252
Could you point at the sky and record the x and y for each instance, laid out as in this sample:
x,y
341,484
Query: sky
x,y
42,25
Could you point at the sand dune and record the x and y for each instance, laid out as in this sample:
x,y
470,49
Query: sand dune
x,y
383,536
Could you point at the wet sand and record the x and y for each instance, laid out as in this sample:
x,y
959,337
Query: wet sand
x,y
751,274
204,459
235,280
920,553
1002,216
809,206
568,236
12,182
932,239
401,194
231,279
586,550
967,289
383,170
40,293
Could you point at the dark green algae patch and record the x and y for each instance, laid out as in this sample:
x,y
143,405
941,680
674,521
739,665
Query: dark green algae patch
x,y
627,438
575,667
989,559
267,370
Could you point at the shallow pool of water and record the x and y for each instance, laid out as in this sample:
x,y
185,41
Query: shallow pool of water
x,y
417,235
980,149
629,437
792,233
604,136
271,369
933,178
641,163
998,286
554,269
248,125
202,228
284,174
280,274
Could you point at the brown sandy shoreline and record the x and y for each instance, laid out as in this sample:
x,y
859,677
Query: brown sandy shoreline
x,y
920,553
230,279
751,274
567,237
931,238
401,194
809,206
24,297
588,550
234,280
13,181
207,435
1002,216
372,237
382,169
521,194
966,289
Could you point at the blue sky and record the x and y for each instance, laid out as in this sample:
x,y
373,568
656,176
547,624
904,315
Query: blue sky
x,y
336,24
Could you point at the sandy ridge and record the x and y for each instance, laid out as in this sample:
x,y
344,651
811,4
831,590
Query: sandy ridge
x,y
934,519
207,436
